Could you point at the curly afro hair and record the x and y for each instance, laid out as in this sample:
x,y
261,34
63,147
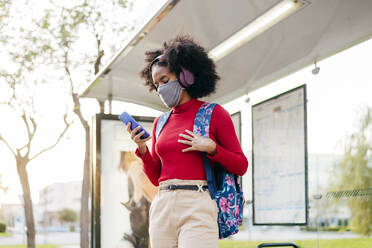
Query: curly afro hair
x,y
184,51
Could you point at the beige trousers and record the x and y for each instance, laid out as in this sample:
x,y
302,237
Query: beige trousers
x,y
183,218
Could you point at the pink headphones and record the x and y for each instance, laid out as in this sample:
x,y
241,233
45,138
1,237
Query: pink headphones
x,y
186,77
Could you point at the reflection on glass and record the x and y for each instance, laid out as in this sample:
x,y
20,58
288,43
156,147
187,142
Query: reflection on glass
x,y
140,192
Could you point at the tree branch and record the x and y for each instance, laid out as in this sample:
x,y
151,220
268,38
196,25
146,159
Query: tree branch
x,y
77,111
27,126
49,31
30,134
75,96
97,63
68,72
7,144
100,54
59,138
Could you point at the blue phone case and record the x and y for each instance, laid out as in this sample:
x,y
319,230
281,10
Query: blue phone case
x,y
126,118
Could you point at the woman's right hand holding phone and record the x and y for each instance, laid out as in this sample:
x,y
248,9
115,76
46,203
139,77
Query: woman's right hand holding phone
x,y
141,143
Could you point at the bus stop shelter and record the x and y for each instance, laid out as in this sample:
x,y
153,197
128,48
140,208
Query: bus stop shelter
x,y
253,42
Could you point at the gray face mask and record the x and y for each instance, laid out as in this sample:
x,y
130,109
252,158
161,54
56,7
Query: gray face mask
x,y
170,93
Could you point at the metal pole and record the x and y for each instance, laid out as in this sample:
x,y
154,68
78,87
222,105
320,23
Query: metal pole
x,y
110,103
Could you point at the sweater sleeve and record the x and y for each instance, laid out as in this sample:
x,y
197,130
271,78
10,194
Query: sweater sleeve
x,y
229,152
151,162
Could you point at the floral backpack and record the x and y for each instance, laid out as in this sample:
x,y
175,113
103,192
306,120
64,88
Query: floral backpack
x,y
224,187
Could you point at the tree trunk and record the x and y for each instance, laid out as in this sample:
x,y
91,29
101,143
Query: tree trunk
x,y
27,201
85,192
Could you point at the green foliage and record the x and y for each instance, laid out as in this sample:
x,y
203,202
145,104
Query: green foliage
x,y
2,227
67,215
326,229
45,22
123,3
355,172
5,235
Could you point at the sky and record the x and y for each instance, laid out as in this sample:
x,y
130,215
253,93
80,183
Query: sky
x,y
337,97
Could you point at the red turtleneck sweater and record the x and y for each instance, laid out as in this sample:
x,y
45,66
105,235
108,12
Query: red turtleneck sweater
x,y
167,161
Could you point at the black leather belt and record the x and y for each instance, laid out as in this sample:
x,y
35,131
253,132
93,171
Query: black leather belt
x,y
187,187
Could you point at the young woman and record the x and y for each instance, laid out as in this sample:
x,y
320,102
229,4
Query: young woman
x,y
183,214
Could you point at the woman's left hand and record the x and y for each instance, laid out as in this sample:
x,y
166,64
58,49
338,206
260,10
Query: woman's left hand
x,y
198,143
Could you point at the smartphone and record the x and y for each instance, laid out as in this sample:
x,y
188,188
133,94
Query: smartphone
x,y
126,118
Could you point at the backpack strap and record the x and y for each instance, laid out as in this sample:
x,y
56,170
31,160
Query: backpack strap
x,y
201,127
161,123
